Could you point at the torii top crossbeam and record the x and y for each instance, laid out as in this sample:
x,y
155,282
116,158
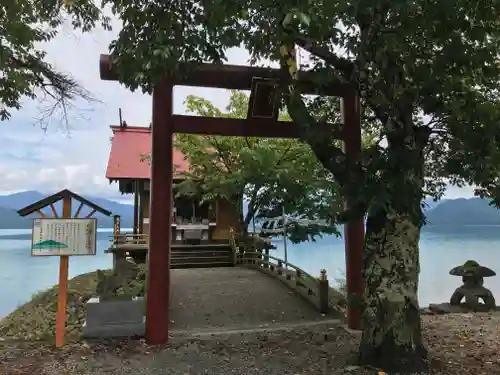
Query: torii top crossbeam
x,y
232,77
238,77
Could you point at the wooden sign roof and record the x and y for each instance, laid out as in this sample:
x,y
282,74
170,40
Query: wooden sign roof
x,y
50,200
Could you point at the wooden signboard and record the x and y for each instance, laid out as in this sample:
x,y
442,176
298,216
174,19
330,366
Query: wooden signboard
x,y
62,236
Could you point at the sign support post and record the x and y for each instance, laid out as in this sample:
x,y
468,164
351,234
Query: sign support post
x,y
62,299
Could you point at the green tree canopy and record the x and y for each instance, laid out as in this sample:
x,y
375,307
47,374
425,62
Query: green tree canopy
x,y
270,174
24,71
428,76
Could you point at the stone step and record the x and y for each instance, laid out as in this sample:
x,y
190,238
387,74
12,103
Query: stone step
x,y
201,265
200,249
200,260
203,256
190,253
200,256
200,253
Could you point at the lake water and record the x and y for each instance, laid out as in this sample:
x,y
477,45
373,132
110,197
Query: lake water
x,y
441,249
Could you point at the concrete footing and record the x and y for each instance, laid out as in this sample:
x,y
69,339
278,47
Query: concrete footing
x,y
118,318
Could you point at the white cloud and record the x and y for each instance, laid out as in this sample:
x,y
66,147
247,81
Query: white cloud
x,y
76,158
454,192
31,159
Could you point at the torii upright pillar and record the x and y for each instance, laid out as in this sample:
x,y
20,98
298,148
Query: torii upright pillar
x,y
354,230
160,232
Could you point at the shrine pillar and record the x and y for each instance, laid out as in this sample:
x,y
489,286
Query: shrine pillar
x,y
354,230
158,283
136,207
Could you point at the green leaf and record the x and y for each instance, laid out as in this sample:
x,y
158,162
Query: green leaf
x,y
304,18
288,19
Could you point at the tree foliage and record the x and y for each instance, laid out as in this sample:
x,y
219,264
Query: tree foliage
x,y
427,73
436,63
24,71
270,174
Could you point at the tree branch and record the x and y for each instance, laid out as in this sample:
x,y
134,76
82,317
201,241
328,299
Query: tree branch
x,y
248,142
319,138
282,157
60,87
339,63
251,206
370,21
220,153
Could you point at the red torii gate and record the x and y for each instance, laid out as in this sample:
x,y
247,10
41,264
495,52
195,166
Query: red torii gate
x,y
165,124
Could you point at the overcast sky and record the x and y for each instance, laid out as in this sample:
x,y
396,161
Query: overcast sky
x,y
76,158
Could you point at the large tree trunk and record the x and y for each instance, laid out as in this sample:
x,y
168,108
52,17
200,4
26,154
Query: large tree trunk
x,y
392,337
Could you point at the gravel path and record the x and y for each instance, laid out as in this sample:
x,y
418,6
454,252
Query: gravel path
x,y
233,298
458,344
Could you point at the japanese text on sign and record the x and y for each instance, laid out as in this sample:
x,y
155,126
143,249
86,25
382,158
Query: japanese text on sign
x,y
56,237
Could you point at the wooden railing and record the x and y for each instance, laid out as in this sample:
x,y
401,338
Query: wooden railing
x,y
129,239
238,244
315,290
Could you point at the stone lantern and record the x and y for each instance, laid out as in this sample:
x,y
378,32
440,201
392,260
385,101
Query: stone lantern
x,y
472,290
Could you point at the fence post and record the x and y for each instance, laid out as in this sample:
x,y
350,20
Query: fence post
x,y
234,247
280,267
116,228
298,275
266,258
323,292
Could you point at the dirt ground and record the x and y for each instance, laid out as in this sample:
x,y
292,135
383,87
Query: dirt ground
x,y
458,344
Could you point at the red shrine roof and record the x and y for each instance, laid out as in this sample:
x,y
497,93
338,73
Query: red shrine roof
x,y
127,146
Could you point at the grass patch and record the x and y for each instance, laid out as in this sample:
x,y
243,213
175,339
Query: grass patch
x,y
36,319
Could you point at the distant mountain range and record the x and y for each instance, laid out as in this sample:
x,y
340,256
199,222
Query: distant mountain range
x,y
9,204
471,211
448,212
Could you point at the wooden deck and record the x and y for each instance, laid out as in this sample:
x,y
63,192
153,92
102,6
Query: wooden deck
x,y
130,247
128,242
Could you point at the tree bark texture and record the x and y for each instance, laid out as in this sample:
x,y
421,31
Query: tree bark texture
x,y
392,332
392,338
